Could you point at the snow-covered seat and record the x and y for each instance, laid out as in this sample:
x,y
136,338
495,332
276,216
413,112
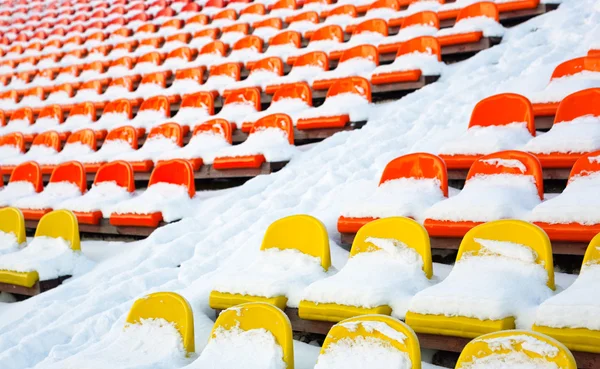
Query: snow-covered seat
x,y
370,341
178,58
116,113
61,95
267,28
53,254
12,230
148,63
515,348
575,132
256,332
233,33
67,181
570,316
220,77
357,61
289,99
203,37
252,13
50,118
248,48
195,107
347,100
121,88
409,185
176,41
503,185
305,68
271,139
78,144
212,53
283,8
44,144
238,105
118,141
304,22
152,84
151,113
81,116
503,270
197,23
170,192
293,254
369,32
186,81
114,182
25,180
261,73
20,120
9,100
283,44
390,261
11,144
90,91
500,122
472,24
223,18
207,140
326,39
162,138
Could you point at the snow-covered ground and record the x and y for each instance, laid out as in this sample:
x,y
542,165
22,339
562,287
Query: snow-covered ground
x,y
187,257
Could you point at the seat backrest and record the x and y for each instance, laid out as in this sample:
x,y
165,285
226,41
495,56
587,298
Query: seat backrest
x,y
347,9
83,136
299,232
157,103
586,165
72,172
124,82
503,109
120,106
405,230
276,23
9,95
29,171
153,57
184,38
124,133
481,9
314,58
181,53
510,162
423,44
12,221
249,42
66,88
48,138
236,28
353,85
285,4
201,99
198,19
279,121
419,165
23,114
14,139
217,126
368,52
60,223
215,47
372,25
195,74
257,8
260,315
385,4
172,131
516,341
286,38
232,70
85,108
577,65
299,90
310,16
52,112
124,62
515,231
119,172
227,14
579,104
176,171
250,95
271,64
332,32
371,327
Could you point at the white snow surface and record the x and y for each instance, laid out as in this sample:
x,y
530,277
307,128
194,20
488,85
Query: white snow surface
x,y
582,134
513,360
224,230
559,88
53,194
204,145
489,26
427,63
14,191
8,242
363,352
479,140
99,197
271,142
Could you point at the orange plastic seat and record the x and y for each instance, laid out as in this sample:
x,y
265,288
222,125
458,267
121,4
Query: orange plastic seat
x,y
226,16
172,131
326,33
159,104
15,140
159,79
50,112
121,107
271,64
84,137
424,18
352,85
255,9
512,6
594,52
309,16
28,172
253,43
217,126
284,5
286,38
22,115
195,74
369,26
367,52
231,34
232,70
180,56
497,110
487,166
417,166
214,48
315,58
176,171
126,134
278,121
482,9
196,22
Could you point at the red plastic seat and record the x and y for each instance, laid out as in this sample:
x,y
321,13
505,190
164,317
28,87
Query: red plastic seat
x,y
272,64
416,166
369,26
366,52
53,114
176,171
219,127
495,110
482,9
22,115
315,58
28,172
171,131
326,33
121,107
126,134
83,137
278,121
487,166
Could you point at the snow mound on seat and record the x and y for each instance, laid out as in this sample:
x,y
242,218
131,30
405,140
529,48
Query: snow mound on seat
x,y
579,135
356,106
490,27
273,143
49,257
256,348
428,64
14,191
8,243
204,146
513,360
559,88
53,194
405,34
99,197
274,273
480,140
71,151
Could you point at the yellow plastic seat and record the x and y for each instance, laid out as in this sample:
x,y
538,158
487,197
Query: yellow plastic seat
x,y
299,232
578,339
515,341
515,231
169,306
259,315
12,221
366,327
58,223
402,229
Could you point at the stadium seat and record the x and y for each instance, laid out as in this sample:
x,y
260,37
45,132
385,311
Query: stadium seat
x,y
356,61
253,12
12,229
80,143
178,51
288,99
261,73
362,340
44,144
118,141
11,145
249,48
197,23
283,8
203,37
114,182
305,68
347,100
186,81
116,113
500,122
500,266
194,107
152,84
20,120
49,118
220,77
513,348
462,32
341,15
151,113
171,182
25,180
8,100
238,105
326,39
67,181
577,117
57,231
81,116
270,137
283,44
352,292
303,22
408,186
61,95
267,28
233,33
249,324
293,254
369,32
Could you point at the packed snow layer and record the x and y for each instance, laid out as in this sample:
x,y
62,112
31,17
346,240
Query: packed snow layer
x,y
389,275
8,242
53,194
228,226
14,191
559,88
274,273
480,140
50,257
489,197
355,105
71,151
108,151
579,135
256,348
405,34
153,147
513,360
428,64
489,26
349,68
363,352
99,197
204,146
273,143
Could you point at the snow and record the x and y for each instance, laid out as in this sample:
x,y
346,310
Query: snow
x,y
256,348
406,197
489,197
483,140
35,152
149,118
489,26
186,116
53,194
512,360
559,88
349,68
288,106
582,134
73,150
203,145
99,197
390,275
232,112
8,243
304,73
152,148
274,273
108,151
9,151
528,343
14,191
355,105
50,257
427,63
273,143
